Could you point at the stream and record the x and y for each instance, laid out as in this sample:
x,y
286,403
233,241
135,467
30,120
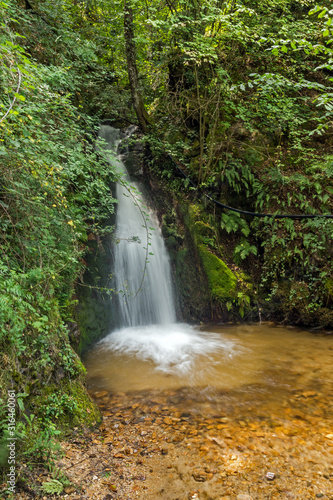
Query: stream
x,y
238,412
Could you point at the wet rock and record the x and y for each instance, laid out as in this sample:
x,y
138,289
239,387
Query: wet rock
x,y
100,394
309,394
200,477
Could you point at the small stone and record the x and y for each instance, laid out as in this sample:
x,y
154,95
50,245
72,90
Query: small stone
x,y
200,477
243,496
319,495
100,394
69,490
309,394
270,476
194,495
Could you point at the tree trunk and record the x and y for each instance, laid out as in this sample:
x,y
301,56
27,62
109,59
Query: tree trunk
x,y
139,107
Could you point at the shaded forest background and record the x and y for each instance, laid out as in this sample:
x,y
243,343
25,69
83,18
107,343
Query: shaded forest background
x,y
238,94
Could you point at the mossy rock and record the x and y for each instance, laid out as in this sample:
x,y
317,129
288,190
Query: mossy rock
x,y
192,294
66,404
329,288
221,279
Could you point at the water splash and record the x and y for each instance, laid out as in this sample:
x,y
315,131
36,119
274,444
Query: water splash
x,y
173,348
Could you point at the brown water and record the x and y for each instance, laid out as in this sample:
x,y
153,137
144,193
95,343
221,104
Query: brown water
x,y
207,413
257,360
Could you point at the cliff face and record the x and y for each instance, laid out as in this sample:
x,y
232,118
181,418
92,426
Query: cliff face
x,y
229,268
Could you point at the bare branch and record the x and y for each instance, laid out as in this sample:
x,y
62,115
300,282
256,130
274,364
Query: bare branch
x,y
14,100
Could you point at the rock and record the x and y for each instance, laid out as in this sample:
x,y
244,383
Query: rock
x,y
309,394
100,394
200,477
69,490
319,495
270,476
243,496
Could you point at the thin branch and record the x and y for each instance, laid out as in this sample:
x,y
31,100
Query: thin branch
x,y
14,100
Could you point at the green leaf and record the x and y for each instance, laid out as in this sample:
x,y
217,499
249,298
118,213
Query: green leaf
x,y
19,96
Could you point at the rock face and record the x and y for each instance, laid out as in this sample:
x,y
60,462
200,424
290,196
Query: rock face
x,y
206,287
95,315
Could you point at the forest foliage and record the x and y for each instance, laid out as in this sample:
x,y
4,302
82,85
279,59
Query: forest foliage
x,y
239,93
54,192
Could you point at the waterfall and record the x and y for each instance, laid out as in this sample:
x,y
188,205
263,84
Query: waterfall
x,y
147,328
141,263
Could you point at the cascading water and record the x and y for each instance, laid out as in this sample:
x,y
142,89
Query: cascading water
x,y
147,318
141,263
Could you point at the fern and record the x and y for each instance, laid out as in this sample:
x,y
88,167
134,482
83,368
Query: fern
x,y
53,487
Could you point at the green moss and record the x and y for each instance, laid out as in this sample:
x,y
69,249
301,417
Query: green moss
x,y
86,413
203,229
66,404
329,287
221,280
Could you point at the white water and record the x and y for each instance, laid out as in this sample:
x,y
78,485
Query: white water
x,y
147,320
143,279
174,349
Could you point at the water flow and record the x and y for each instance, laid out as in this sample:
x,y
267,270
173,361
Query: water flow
x,y
142,269
146,318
